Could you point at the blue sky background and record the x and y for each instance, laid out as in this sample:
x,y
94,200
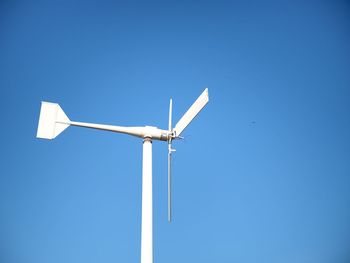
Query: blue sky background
x,y
263,174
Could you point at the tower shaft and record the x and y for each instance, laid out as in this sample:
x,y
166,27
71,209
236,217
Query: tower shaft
x,y
147,205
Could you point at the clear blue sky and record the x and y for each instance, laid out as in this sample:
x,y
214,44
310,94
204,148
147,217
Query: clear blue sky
x,y
263,174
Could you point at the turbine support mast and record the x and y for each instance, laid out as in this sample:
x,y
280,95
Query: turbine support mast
x,y
147,203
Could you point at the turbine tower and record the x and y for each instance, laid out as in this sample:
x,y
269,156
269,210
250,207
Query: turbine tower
x,y
53,121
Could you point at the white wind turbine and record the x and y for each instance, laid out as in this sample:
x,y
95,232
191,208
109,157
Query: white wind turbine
x,y
53,121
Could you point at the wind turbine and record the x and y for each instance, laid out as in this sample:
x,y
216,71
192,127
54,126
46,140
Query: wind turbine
x,y
53,121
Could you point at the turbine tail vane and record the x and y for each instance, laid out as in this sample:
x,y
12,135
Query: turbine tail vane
x,y
52,121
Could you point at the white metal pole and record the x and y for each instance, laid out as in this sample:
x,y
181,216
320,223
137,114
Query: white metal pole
x,y
147,207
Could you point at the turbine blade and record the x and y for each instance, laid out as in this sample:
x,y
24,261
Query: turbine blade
x,y
169,182
52,121
192,112
170,128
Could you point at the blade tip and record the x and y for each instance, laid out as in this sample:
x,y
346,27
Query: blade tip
x,y
207,93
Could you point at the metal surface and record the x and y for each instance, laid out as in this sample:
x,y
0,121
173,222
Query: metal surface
x,y
170,128
141,132
147,205
49,125
169,185
192,112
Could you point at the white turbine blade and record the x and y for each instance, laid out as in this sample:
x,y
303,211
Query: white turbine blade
x,y
169,183
170,115
52,121
170,150
192,112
